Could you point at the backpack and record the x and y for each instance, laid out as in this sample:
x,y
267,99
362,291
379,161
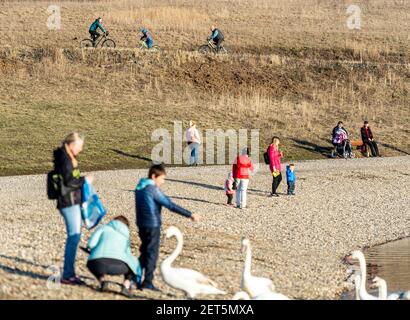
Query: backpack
x,y
52,185
266,158
220,34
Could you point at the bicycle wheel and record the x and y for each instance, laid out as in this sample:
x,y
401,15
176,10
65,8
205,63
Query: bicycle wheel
x,y
108,43
86,43
223,50
204,49
156,49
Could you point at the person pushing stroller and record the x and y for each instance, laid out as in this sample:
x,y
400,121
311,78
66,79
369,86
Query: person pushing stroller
x,y
340,139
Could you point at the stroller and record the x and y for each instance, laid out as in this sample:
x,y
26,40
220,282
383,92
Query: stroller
x,y
343,147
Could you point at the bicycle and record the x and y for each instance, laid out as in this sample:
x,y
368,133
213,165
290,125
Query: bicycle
x,y
142,45
210,47
107,43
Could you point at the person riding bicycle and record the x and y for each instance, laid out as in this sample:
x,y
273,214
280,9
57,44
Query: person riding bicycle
x,y
217,37
147,38
94,27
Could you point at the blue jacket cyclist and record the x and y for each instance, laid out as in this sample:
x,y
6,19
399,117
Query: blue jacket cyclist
x,y
216,37
97,24
147,38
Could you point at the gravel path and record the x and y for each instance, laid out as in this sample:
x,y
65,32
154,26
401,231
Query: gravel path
x,y
298,241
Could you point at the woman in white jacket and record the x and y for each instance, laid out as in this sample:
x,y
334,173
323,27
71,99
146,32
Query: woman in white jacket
x,y
194,140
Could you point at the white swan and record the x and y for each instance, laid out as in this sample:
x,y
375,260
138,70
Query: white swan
x,y
190,281
255,286
382,285
242,295
358,255
357,282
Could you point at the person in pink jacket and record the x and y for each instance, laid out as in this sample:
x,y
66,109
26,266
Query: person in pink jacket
x,y
194,140
228,187
244,164
275,165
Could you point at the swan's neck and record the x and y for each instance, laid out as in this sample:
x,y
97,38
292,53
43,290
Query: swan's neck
x,y
168,261
248,260
363,275
382,290
357,286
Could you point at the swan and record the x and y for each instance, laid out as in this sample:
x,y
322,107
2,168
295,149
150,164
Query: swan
x,y
382,285
190,281
242,295
357,281
358,255
255,286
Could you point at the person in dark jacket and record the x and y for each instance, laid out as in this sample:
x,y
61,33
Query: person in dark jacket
x,y
93,30
338,127
367,137
337,133
149,201
217,37
69,200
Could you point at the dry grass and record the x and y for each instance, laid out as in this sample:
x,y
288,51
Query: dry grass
x,y
294,70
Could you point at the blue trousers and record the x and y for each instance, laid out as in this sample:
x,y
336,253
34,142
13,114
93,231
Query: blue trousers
x,y
149,249
291,187
72,219
194,152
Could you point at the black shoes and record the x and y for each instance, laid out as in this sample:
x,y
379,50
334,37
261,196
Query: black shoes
x,y
104,286
126,292
149,286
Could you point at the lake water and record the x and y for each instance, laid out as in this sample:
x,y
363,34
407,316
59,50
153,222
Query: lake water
x,y
390,261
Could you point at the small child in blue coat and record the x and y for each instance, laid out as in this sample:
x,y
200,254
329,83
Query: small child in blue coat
x,y
291,179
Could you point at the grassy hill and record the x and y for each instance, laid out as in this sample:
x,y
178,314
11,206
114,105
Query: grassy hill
x,y
294,69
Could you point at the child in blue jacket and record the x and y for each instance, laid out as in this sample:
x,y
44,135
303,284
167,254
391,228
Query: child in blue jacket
x,y
149,201
291,179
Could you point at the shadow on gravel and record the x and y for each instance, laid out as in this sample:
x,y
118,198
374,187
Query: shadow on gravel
x,y
20,272
21,260
197,200
203,185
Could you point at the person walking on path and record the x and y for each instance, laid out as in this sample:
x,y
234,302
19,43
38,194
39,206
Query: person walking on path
x,y
275,165
244,164
194,140
69,200
367,137
111,254
149,201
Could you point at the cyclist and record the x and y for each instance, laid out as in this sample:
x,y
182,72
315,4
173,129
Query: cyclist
x,y
147,38
217,37
94,27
